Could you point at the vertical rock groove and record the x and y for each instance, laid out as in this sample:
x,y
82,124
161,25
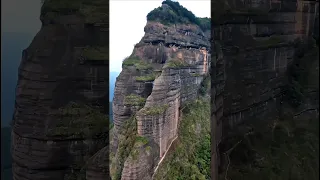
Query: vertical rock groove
x,y
162,74
254,43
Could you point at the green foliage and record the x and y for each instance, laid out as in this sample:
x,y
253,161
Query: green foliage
x,y
271,41
205,23
299,72
176,64
205,85
93,11
155,110
148,149
134,100
134,61
190,158
281,150
142,140
80,120
177,14
111,125
147,77
196,74
126,145
96,53
134,153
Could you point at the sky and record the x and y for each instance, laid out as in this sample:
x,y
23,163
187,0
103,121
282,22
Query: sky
x,y
20,16
127,21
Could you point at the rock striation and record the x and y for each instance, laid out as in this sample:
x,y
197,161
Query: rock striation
x,y
255,44
60,116
163,73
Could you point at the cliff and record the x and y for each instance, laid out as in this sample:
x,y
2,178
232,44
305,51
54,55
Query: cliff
x,y
256,42
163,73
60,118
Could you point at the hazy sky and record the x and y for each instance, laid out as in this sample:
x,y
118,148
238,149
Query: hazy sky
x,y
21,16
127,21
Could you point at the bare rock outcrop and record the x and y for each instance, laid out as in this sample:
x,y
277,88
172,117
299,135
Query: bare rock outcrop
x,y
60,116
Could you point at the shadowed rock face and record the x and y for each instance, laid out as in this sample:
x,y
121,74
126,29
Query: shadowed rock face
x,y
258,66
61,95
254,48
162,74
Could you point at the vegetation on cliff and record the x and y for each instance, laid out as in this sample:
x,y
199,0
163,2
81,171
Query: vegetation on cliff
x,y
175,63
288,147
80,120
136,62
177,14
155,110
299,72
134,100
205,85
148,77
96,53
281,150
126,143
190,155
93,11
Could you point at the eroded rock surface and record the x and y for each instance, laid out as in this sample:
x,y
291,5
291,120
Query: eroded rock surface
x,y
162,74
257,48
254,43
60,116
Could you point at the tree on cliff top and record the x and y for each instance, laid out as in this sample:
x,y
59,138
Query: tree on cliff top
x,y
177,14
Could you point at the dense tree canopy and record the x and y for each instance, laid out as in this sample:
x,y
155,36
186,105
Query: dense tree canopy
x,y
177,14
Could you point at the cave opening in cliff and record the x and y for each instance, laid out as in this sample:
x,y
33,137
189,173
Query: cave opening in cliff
x,y
148,86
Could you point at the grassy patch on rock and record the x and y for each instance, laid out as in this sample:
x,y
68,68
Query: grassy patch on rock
x,y
80,120
134,100
138,63
139,145
148,77
155,110
126,144
93,11
96,53
271,41
176,64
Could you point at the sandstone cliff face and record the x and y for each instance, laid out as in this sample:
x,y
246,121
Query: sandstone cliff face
x,y
163,73
60,116
257,47
254,46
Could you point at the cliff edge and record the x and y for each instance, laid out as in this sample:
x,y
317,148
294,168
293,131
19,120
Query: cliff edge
x,y
60,117
163,73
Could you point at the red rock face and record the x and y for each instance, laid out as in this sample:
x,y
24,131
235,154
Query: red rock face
x,y
157,118
61,98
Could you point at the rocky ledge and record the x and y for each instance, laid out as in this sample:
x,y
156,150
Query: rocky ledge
x,y
163,73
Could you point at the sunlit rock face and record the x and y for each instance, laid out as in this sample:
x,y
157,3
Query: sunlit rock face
x,y
162,74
